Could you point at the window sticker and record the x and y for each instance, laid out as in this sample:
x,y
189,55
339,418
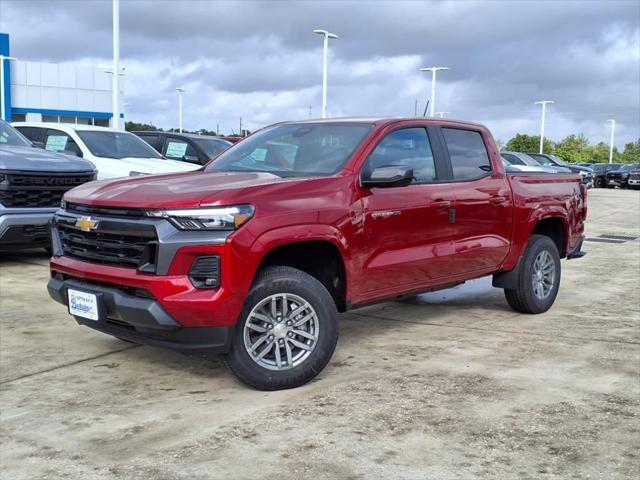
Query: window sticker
x,y
56,143
176,149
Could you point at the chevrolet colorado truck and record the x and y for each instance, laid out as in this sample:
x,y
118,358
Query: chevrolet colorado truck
x,y
32,182
254,256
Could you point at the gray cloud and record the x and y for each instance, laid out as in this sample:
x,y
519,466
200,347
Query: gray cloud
x,y
260,60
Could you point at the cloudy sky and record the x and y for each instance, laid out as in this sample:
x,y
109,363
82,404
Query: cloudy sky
x,y
260,60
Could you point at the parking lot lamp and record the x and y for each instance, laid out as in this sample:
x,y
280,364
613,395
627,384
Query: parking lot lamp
x,y
180,92
3,98
325,56
433,71
544,111
115,100
613,129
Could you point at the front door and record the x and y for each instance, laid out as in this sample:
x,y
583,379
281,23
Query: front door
x,y
406,230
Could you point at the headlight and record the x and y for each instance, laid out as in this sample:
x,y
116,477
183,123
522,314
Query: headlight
x,y
214,218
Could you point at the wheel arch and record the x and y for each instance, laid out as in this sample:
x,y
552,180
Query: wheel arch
x,y
321,253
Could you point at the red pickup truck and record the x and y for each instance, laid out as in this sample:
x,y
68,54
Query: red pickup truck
x,y
253,256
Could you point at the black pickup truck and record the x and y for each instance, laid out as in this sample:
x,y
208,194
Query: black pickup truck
x,y
620,177
32,182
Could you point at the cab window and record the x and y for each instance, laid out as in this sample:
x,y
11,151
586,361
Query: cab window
x,y
180,150
408,147
57,141
467,153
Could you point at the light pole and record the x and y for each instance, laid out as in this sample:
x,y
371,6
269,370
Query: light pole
x,y
433,71
115,84
613,129
116,123
442,114
180,92
544,111
325,57
3,98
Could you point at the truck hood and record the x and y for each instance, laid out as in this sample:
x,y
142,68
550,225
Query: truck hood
x,y
30,159
579,168
183,190
153,165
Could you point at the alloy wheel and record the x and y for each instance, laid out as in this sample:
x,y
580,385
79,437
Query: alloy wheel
x,y
281,331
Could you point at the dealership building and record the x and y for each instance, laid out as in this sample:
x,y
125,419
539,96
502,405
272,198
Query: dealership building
x,y
50,92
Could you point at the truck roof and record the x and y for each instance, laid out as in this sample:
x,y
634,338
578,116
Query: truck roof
x,y
64,126
382,120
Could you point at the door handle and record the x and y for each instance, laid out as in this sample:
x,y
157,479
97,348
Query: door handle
x,y
497,200
441,204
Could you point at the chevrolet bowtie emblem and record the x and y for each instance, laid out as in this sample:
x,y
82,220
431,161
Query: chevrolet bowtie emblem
x,y
86,224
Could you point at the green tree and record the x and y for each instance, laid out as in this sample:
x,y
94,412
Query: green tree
x,y
528,143
573,148
631,152
598,153
139,127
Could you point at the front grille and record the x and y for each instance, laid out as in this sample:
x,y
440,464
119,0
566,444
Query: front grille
x,y
96,210
135,249
38,191
614,176
634,176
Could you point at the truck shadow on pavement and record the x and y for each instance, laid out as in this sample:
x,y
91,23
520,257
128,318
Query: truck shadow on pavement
x,y
474,300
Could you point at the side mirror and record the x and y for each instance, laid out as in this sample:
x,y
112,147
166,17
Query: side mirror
x,y
385,177
39,145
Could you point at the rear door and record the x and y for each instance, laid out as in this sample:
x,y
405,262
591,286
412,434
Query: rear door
x,y
483,206
406,230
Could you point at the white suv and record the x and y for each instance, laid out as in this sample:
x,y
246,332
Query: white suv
x,y
114,153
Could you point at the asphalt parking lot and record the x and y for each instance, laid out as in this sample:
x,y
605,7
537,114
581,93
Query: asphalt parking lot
x,y
450,384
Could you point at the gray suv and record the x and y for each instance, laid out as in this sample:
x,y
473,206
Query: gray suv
x,y
32,182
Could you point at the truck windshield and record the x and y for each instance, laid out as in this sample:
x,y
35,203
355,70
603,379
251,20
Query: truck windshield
x,y
103,143
294,150
10,136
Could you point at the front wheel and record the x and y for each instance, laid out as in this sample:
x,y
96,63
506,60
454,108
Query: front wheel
x,y
538,279
286,333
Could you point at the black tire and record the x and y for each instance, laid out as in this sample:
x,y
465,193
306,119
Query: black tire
x,y
285,280
523,299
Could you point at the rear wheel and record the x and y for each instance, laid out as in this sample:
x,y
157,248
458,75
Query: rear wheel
x,y
538,279
286,333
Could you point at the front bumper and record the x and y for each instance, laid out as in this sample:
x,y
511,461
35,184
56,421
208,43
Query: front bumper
x,y
634,181
20,230
616,182
134,315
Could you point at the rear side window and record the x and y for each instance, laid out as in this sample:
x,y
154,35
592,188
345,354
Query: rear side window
x,y
512,159
153,140
58,141
180,150
32,133
467,152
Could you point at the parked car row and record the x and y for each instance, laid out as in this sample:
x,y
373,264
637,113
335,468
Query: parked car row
x,y
32,182
538,162
114,153
611,175
40,161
